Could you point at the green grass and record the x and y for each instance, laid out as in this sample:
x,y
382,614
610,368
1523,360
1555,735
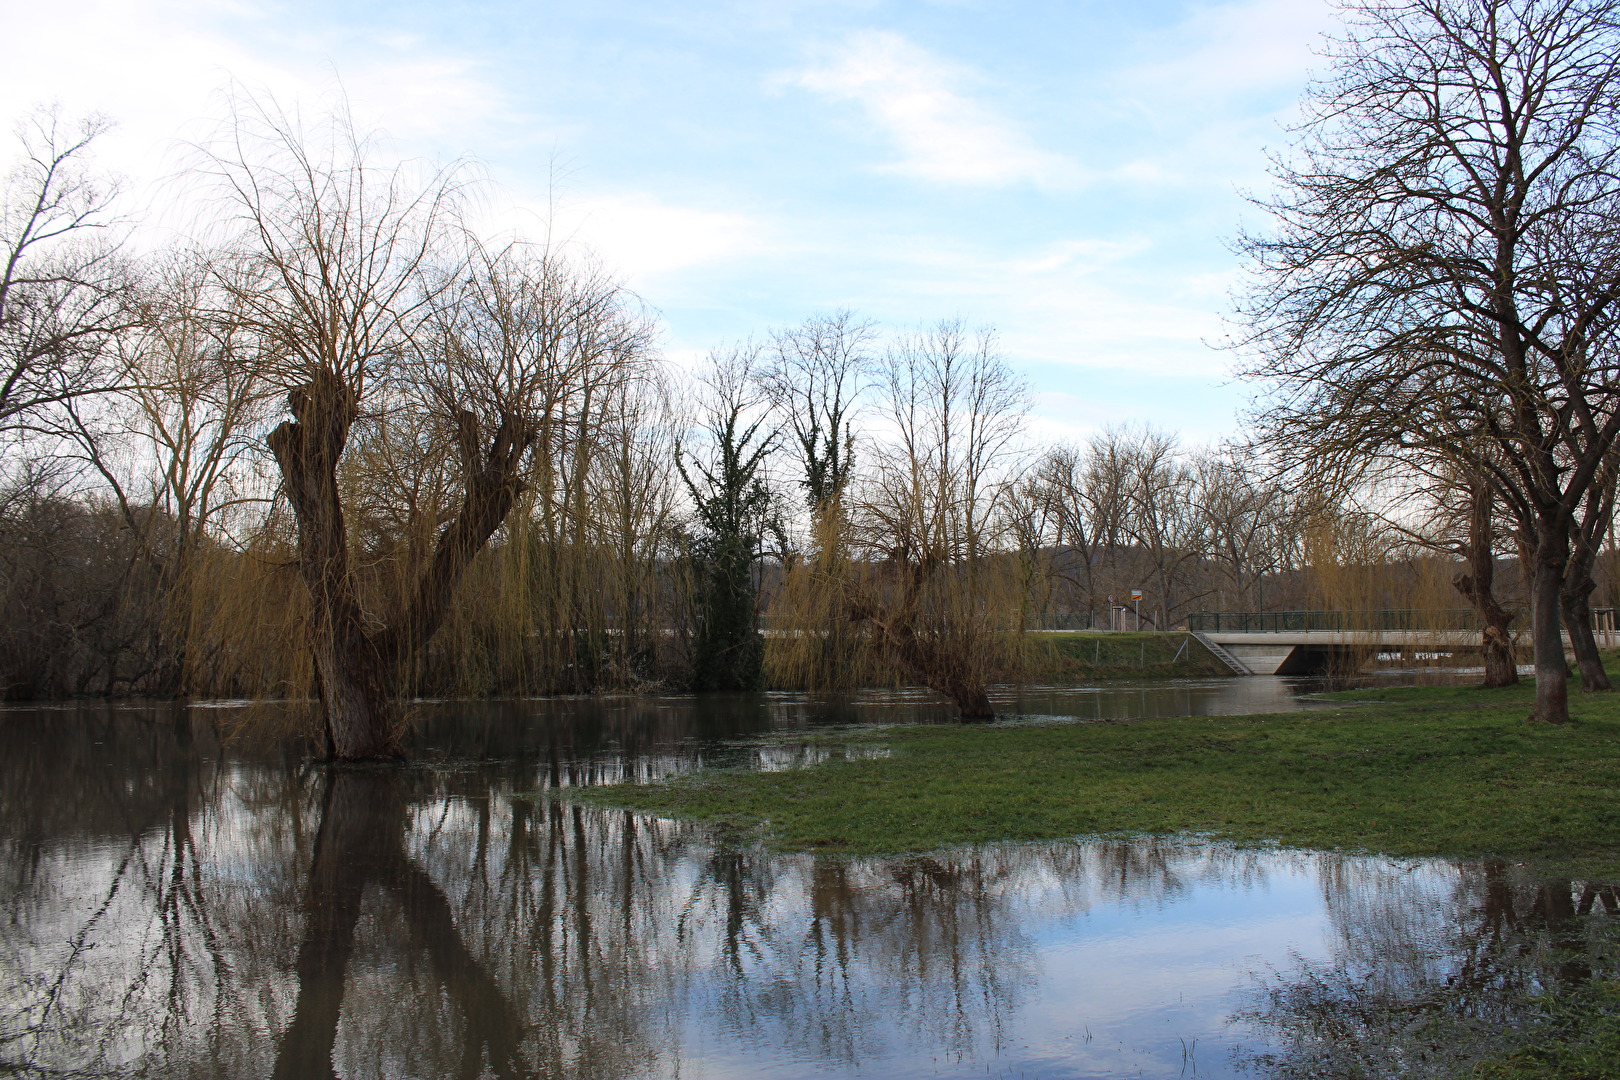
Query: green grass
x,y
1451,771
1083,655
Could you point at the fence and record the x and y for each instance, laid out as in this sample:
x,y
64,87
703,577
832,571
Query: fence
x,y
1078,620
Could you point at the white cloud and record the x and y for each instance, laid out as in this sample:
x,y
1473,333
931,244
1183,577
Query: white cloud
x,y
645,238
1215,86
942,135
1075,302
428,98
156,67
1233,48
1078,256
1061,417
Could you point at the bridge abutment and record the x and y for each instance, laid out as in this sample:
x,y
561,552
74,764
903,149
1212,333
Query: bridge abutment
x,y
1304,659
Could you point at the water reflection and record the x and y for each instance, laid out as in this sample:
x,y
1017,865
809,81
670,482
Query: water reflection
x,y
1423,981
604,740
179,906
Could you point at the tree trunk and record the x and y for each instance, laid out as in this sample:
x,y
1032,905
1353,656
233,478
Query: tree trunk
x,y
1552,673
1575,602
1478,585
970,697
352,676
1576,596
492,466
356,669
955,676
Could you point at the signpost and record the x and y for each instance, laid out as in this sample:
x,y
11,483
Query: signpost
x,y
1136,601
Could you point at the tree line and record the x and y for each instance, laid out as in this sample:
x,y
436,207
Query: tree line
x,y
343,447
342,444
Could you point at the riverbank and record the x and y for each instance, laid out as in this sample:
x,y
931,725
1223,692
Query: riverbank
x,y
1080,656
1420,771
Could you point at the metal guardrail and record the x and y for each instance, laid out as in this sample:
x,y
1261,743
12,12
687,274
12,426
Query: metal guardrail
x,y
1274,622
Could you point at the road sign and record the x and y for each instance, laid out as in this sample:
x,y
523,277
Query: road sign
x,y
1136,596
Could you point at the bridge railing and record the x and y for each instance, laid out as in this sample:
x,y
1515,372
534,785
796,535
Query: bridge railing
x,y
1273,622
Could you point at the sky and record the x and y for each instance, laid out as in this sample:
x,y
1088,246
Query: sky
x,y
1069,172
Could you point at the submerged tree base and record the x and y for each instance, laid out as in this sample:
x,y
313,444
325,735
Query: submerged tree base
x,y
1418,771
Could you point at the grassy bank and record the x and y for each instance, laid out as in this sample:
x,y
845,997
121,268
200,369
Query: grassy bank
x,y
1082,656
1419,771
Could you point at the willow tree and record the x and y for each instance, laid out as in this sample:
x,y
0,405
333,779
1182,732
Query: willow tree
x,y
939,594
1444,261
561,605
371,304
168,446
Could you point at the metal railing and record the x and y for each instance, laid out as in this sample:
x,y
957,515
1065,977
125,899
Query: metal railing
x,y
1276,622
1078,620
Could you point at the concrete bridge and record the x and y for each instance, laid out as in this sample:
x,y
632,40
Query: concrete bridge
x,y
1305,642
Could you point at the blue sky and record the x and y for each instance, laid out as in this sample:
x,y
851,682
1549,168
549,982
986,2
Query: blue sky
x,y
1068,172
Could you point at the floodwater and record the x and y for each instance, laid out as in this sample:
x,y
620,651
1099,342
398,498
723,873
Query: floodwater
x,y
183,903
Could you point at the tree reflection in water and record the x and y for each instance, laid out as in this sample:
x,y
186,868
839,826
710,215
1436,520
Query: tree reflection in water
x,y
1424,983
360,844
178,907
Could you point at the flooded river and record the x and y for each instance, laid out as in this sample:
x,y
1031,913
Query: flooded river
x,y
183,903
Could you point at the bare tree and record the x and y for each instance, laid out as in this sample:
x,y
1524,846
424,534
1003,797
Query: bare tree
x,y
936,600
569,570
169,445
1161,520
1249,525
815,376
1444,261
62,281
335,256
367,296
1085,490
525,331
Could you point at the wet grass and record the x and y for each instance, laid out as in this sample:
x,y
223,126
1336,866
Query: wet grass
x,y
1453,771
1576,1038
